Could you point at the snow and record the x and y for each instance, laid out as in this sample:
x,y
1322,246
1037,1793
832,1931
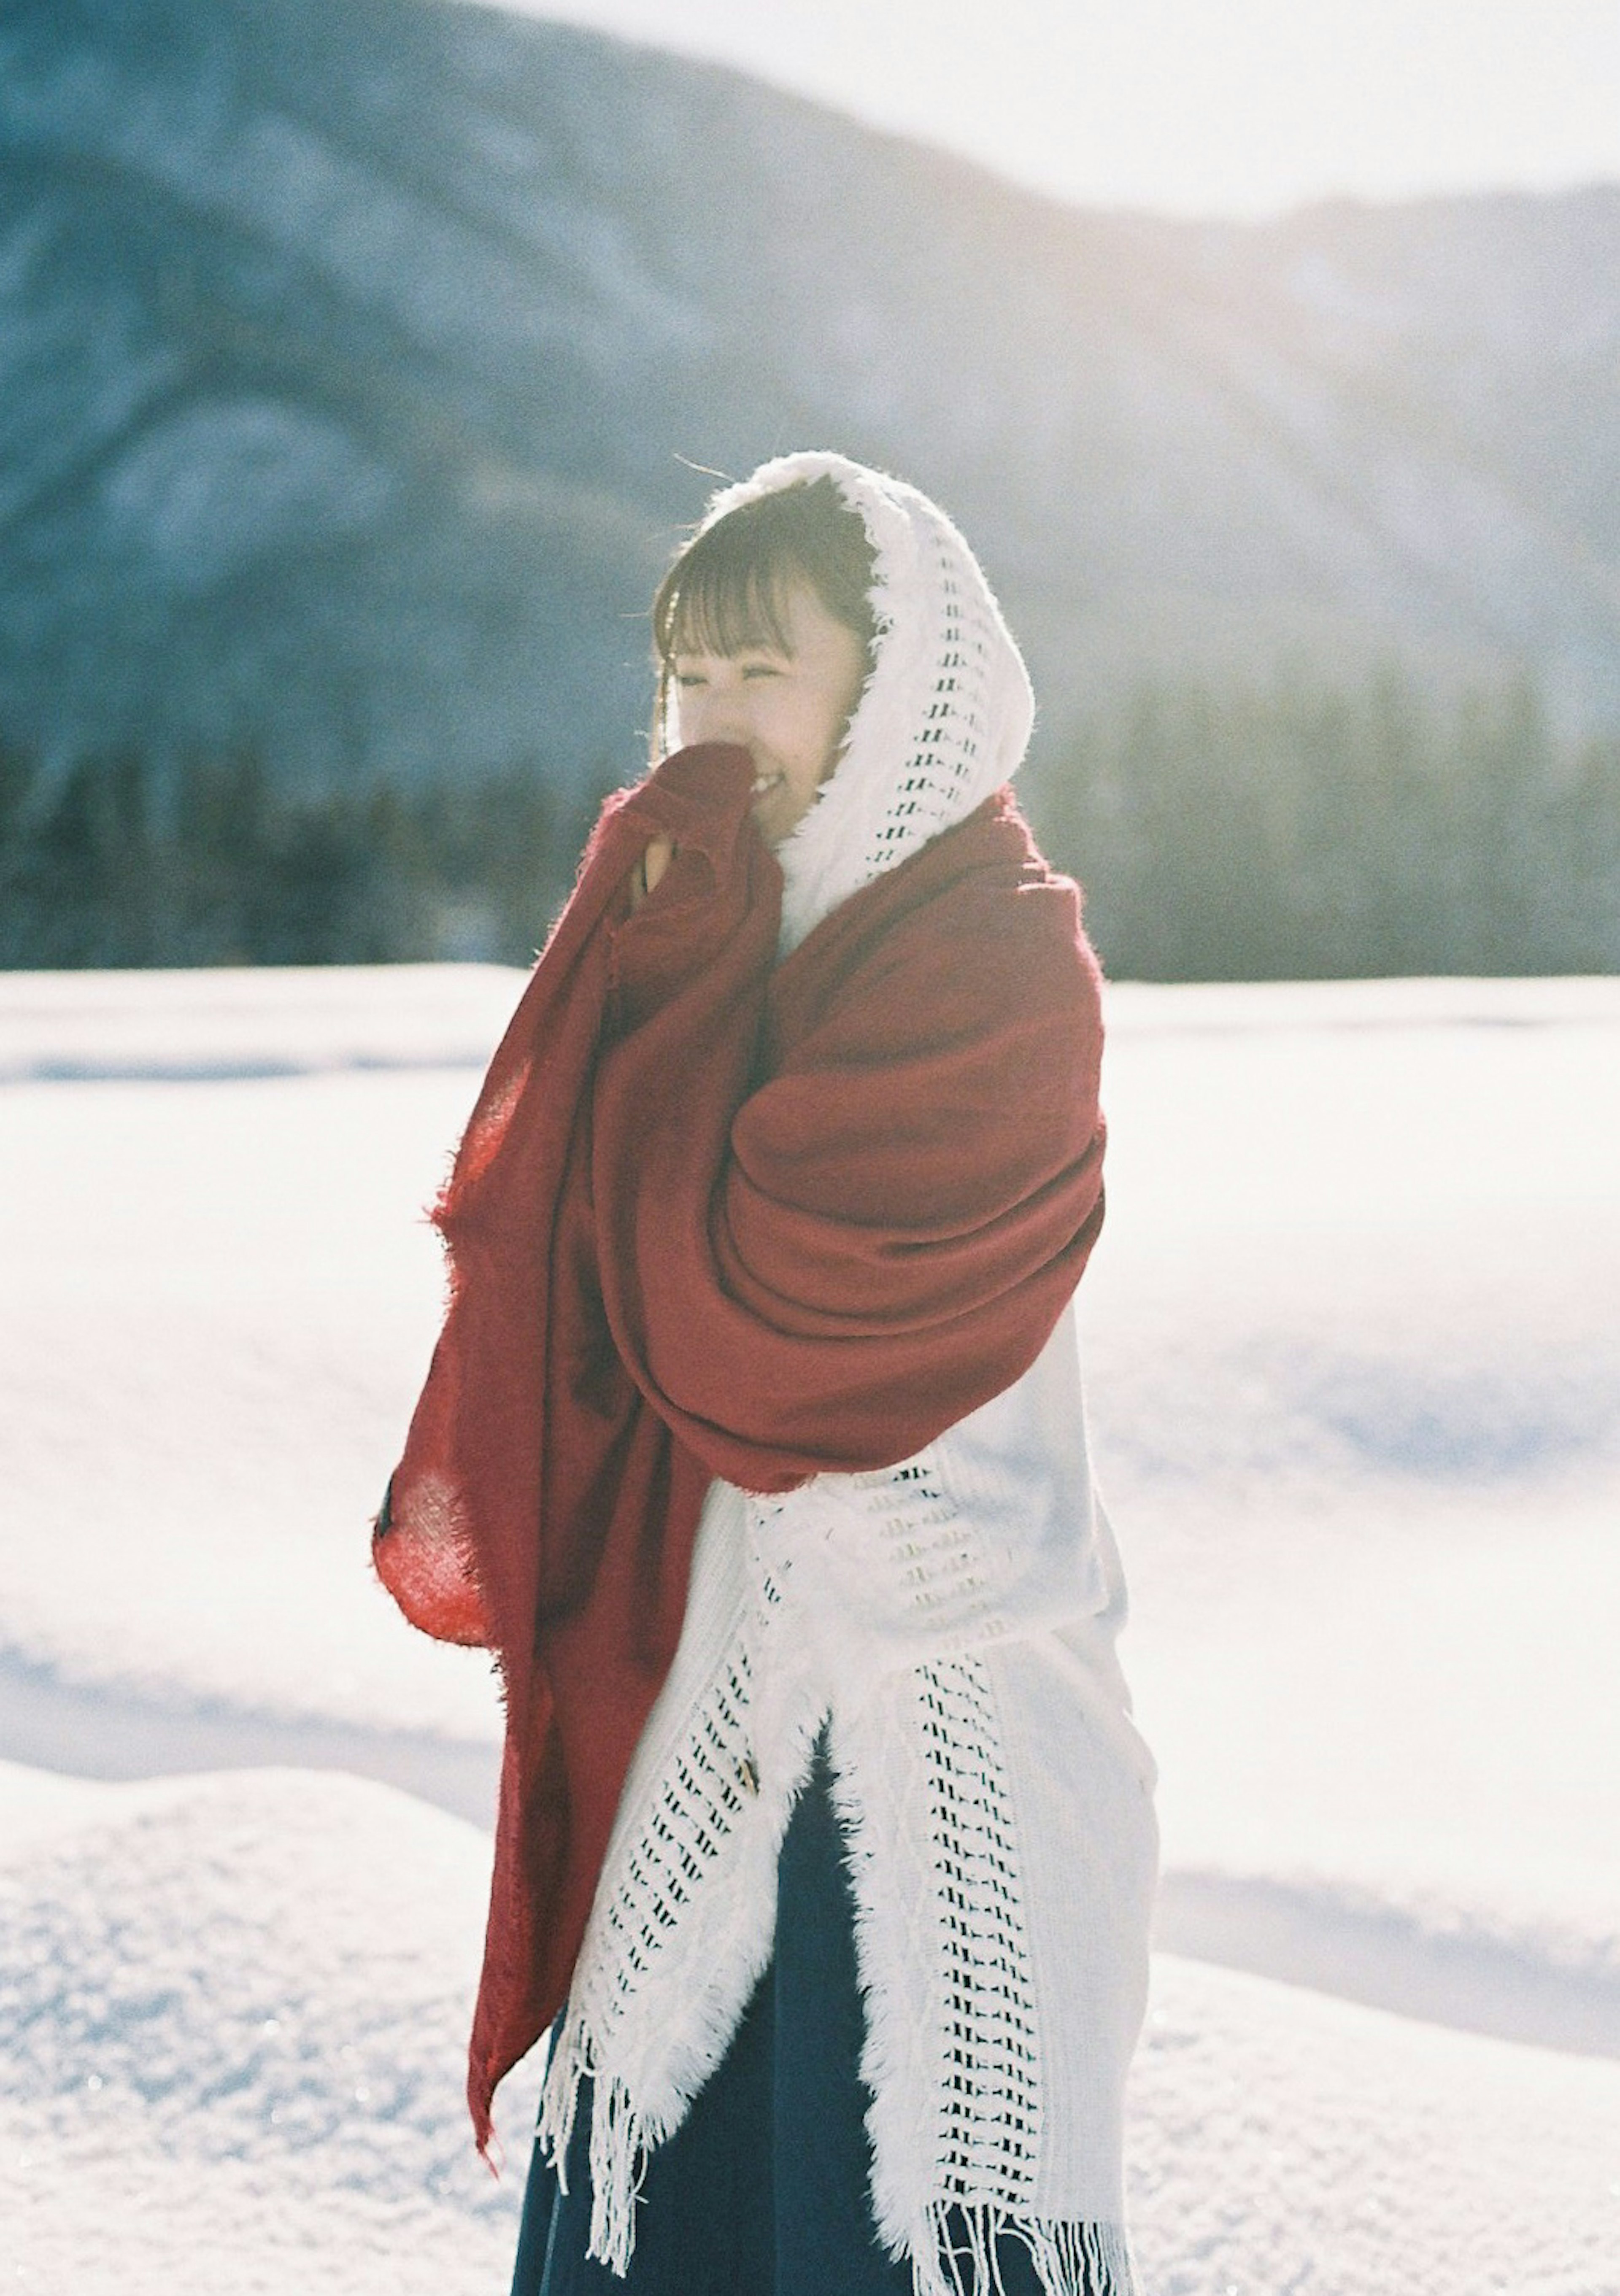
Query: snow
x,y
1354,1372
1355,1360
235,2012
1283,2143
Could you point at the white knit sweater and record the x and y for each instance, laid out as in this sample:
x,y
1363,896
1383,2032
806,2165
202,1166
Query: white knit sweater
x,y
953,1619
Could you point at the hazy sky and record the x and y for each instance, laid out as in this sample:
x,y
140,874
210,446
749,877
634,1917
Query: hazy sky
x,y
1236,107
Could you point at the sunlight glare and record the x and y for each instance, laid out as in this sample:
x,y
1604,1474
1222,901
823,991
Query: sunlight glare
x,y
1241,109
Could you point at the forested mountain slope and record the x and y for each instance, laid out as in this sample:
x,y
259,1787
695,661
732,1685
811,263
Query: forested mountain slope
x,y
350,353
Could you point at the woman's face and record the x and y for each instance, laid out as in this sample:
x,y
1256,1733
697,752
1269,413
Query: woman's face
x,y
788,707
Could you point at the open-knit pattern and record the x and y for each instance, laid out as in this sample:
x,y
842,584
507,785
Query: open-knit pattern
x,y
989,2130
663,1864
961,2119
917,1544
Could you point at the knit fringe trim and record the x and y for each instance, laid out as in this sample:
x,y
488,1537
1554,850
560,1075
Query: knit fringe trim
x,y
624,2136
621,2143
956,2252
953,2247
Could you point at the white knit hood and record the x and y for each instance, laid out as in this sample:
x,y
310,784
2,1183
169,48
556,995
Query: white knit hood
x,y
944,717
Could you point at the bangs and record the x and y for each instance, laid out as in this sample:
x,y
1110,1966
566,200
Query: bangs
x,y
722,604
727,588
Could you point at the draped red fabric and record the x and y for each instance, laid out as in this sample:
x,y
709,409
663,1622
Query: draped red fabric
x,y
711,1216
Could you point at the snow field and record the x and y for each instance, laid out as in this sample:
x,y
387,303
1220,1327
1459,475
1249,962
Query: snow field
x,y
233,2026
1285,2143
220,1297
1354,1375
1353,1365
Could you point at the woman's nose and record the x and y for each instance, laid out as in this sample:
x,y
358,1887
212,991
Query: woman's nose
x,y
708,715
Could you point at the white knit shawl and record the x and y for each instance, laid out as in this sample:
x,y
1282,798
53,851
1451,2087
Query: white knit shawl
x,y
953,1619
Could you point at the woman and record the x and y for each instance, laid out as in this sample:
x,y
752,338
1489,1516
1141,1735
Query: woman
x,y
753,1446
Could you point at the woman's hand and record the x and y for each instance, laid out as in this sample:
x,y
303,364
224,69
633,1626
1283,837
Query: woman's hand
x,y
650,868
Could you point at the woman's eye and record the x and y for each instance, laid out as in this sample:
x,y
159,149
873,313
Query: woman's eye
x,y
761,669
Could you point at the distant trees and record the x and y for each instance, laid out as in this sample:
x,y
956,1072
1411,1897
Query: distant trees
x,y
119,863
1288,832
1295,831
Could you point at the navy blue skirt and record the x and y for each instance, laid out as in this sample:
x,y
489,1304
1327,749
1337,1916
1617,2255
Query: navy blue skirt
x,y
762,2191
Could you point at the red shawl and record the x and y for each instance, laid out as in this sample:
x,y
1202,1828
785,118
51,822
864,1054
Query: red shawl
x,y
712,1216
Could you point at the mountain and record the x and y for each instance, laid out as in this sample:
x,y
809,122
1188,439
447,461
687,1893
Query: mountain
x,y
354,356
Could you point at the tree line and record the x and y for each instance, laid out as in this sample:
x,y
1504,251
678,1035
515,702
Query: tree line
x,y
1295,831
120,862
1286,831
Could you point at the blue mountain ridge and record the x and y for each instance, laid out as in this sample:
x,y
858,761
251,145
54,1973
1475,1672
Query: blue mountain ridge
x,y
356,358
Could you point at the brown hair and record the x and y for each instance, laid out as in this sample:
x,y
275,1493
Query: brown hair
x,y
723,591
